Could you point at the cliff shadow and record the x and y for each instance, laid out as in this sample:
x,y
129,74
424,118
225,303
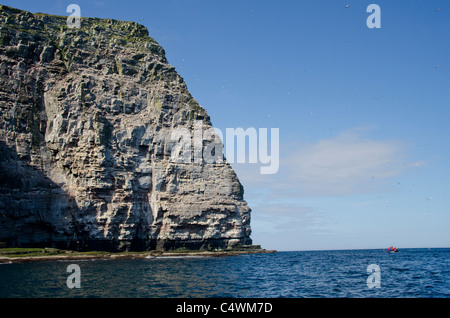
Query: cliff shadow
x,y
37,212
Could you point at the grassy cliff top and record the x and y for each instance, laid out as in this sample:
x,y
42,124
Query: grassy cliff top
x,y
55,28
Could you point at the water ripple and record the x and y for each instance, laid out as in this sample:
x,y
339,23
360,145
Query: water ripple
x,y
410,273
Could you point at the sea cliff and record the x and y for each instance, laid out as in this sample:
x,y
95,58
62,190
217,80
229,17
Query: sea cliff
x,y
86,143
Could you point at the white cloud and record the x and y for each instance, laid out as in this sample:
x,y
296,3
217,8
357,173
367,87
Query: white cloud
x,y
284,216
292,208
342,165
287,225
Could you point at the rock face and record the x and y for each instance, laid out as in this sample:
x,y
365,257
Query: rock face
x,y
87,148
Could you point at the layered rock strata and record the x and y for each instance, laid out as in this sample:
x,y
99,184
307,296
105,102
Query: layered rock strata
x,y
87,149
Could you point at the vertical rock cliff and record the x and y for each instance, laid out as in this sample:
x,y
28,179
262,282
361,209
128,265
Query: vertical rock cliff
x,y
87,159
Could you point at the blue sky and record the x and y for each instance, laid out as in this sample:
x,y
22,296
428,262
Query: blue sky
x,y
363,113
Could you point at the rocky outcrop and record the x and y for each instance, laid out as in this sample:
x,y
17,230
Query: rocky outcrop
x,y
87,148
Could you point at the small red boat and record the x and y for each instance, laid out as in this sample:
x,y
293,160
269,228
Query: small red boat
x,y
392,249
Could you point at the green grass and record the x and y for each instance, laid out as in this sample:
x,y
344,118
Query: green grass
x,y
33,252
26,252
19,250
30,252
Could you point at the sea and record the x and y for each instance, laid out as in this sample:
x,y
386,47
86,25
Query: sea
x,y
410,273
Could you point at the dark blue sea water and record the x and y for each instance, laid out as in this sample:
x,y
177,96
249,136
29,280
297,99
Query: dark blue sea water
x,y
409,273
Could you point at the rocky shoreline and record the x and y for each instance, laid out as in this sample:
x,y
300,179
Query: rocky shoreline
x,y
63,255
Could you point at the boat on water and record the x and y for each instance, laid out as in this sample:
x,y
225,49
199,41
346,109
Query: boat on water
x,y
392,249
